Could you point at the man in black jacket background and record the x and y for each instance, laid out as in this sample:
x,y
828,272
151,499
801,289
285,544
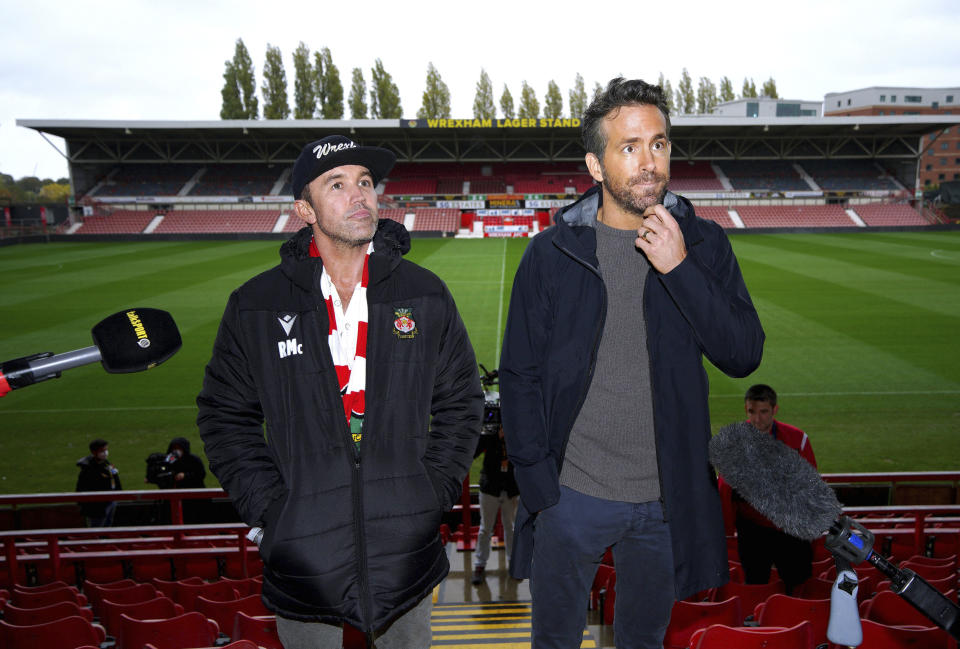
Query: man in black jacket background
x,y
360,365
603,392
98,474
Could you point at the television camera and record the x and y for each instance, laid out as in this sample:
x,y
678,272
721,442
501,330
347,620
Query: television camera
x,y
490,381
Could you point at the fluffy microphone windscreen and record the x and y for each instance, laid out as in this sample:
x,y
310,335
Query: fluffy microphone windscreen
x,y
775,480
134,340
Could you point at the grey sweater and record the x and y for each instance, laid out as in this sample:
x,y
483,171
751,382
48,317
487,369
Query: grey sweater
x,y
611,453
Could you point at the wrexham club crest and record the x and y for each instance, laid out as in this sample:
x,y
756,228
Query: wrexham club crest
x,y
404,325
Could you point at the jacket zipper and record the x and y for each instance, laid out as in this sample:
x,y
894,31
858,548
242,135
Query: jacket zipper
x,y
356,491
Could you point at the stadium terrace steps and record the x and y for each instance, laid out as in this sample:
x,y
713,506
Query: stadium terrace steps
x,y
880,214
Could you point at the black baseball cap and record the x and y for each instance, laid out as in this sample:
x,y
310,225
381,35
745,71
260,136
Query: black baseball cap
x,y
332,151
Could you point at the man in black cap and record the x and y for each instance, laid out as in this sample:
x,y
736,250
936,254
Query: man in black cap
x,y
361,457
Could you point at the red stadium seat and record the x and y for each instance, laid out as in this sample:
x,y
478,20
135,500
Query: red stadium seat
x,y
599,582
127,595
47,597
750,594
65,633
886,607
158,608
719,636
786,611
187,593
882,636
224,613
931,572
26,616
688,617
187,630
53,585
259,629
169,588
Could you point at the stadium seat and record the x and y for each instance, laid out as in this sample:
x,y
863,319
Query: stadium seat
x,y
260,629
224,613
245,587
886,607
883,636
930,572
238,644
817,588
158,608
599,582
47,597
187,630
65,633
688,617
26,616
169,588
750,594
53,585
608,599
187,593
786,611
719,636
127,595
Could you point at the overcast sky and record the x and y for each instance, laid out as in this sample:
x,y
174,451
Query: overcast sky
x,y
164,60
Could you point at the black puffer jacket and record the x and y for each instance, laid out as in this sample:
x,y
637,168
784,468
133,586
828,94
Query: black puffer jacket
x,y
348,536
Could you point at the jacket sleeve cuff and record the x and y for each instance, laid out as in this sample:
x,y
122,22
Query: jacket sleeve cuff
x,y
539,484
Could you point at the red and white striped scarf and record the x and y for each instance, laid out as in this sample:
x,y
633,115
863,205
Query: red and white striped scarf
x,y
347,337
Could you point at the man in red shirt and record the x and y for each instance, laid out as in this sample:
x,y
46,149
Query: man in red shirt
x,y
760,543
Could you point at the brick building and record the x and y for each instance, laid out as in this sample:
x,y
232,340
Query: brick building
x,y
940,160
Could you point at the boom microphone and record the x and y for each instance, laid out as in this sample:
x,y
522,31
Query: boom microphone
x,y
775,480
132,340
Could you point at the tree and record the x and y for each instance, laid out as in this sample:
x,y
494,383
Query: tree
x,y
358,96
506,103
436,96
54,193
726,89
770,88
384,94
232,105
304,88
483,106
597,89
329,90
706,96
246,80
749,88
274,88
553,101
686,102
529,106
667,92
578,97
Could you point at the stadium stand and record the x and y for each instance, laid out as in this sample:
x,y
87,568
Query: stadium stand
x,y
393,213
237,180
436,220
793,216
773,175
411,186
848,175
693,176
199,221
717,214
146,180
880,214
117,222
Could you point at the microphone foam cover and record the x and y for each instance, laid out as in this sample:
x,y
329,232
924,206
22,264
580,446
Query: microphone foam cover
x,y
136,339
775,480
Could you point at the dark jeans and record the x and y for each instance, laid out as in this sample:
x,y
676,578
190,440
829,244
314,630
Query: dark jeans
x,y
570,539
761,547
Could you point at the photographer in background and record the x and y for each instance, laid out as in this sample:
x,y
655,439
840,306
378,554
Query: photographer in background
x,y
179,469
97,474
498,488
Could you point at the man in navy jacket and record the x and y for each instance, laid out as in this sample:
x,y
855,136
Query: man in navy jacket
x,y
604,395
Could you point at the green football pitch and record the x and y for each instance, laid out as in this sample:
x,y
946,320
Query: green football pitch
x,y
861,342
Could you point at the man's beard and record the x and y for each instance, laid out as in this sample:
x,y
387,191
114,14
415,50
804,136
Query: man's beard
x,y
343,238
630,201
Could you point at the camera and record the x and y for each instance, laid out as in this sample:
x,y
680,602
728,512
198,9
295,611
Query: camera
x,y
159,471
490,380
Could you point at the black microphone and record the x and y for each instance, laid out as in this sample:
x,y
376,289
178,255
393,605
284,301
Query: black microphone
x,y
132,340
775,480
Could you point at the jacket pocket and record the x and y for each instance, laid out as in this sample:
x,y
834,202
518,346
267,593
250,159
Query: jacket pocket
x,y
271,518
